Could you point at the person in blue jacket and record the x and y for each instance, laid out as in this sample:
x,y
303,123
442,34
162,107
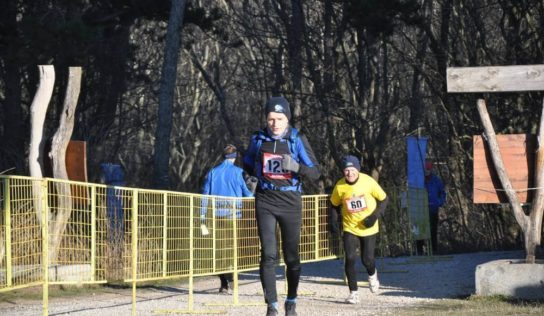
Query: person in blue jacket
x,y
278,156
436,197
225,179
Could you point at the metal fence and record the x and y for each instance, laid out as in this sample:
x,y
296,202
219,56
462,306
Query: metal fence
x,y
63,232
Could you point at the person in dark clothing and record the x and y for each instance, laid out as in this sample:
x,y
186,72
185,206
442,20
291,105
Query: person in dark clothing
x,y
278,155
436,198
225,179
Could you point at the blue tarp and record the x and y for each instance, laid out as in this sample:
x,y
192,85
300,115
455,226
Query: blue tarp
x,y
114,175
417,149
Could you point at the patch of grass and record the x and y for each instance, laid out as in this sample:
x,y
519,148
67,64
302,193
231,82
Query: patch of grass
x,y
31,293
55,291
478,305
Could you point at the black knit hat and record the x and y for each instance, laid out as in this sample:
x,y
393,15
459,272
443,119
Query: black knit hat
x,y
351,161
278,105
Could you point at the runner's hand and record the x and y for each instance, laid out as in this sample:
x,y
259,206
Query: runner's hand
x,y
334,228
370,220
251,183
289,163
335,222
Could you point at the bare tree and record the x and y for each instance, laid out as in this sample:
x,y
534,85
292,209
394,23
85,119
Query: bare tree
x,y
166,95
58,157
38,109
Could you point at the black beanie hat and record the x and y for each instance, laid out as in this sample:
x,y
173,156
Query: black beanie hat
x,y
351,161
278,105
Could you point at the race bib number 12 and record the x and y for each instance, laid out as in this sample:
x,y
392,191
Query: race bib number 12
x,y
356,204
273,167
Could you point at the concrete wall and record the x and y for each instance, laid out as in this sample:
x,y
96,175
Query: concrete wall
x,y
512,278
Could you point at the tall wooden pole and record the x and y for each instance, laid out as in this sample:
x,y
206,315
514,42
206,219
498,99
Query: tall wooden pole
x,y
535,218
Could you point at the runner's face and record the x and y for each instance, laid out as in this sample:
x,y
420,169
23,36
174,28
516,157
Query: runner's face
x,y
277,123
351,174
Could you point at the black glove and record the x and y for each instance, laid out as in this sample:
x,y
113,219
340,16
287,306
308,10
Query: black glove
x,y
334,222
251,183
334,228
370,220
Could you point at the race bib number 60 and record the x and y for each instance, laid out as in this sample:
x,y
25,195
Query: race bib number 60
x,y
272,167
356,204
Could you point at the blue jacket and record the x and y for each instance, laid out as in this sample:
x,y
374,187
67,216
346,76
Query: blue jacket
x,y
435,192
294,144
225,179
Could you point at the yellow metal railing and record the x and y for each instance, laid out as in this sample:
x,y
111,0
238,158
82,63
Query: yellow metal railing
x,y
62,232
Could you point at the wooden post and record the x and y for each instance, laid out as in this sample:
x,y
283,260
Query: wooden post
x,y
534,229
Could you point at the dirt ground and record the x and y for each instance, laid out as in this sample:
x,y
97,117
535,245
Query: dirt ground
x,y
405,282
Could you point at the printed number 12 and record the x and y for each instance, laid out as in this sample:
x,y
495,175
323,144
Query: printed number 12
x,y
274,166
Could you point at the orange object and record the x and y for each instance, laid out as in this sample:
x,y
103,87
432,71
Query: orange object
x,y
518,154
76,160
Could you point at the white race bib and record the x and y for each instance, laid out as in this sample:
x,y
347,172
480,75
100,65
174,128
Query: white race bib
x,y
272,167
356,204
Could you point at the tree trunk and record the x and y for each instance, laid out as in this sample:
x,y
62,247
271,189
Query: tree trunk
x,y
294,39
12,135
294,30
416,103
38,109
161,157
13,139
58,157
214,83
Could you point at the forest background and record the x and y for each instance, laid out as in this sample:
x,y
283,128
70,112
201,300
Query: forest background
x,y
361,76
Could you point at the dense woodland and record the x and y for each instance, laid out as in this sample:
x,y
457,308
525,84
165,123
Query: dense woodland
x,y
361,75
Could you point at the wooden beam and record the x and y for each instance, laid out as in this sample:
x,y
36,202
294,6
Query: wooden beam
x,y
496,78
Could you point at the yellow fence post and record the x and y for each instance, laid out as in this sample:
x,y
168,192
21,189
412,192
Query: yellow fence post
x,y
214,237
164,232
45,246
134,242
235,250
93,233
191,250
316,223
7,209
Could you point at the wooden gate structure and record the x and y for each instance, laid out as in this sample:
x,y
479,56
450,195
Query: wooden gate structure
x,y
509,79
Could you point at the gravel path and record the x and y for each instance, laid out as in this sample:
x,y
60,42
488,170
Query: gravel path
x,y
406,281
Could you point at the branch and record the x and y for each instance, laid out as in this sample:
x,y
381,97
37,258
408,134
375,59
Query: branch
x,y
491,139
